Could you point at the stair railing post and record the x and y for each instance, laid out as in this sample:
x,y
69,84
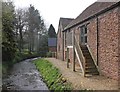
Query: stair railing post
x,y
84,68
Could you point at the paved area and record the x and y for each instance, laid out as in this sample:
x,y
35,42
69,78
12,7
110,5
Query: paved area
x,y
79,82
25,76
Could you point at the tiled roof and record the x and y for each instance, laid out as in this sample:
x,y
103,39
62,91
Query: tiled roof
x,y
90,11
65,21
52,41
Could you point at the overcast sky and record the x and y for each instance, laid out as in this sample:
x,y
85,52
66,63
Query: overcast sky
x,y
52,10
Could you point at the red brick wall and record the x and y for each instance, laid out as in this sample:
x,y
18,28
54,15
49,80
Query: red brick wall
x,y
92,37
77,35
108,56
52,49
119,48
108,44
60,43
65,49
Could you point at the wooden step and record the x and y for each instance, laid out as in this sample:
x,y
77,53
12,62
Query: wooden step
x,y
84,48
90,67
90,64
92,71
89,60
85,51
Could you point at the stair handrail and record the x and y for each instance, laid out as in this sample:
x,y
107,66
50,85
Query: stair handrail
x,y
81,56
92,57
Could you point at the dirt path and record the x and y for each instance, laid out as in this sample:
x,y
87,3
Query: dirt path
x,y
24,76
79,82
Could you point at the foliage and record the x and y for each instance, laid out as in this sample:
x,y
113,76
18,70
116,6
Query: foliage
x,y
52,76
24,55
36,28
19,56
49,54
31,32
20,23
8,43
43,46
51,32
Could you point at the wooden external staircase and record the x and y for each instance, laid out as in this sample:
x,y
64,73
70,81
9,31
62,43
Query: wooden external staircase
x,y
90,67
85,60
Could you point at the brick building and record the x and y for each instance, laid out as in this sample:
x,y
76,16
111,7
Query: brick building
x,y
63,22
52,45
92,40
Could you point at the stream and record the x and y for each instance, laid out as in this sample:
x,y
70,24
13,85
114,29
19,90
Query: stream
x,y
25,76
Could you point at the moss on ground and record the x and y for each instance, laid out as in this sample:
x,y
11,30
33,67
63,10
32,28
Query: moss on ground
x,y
52,76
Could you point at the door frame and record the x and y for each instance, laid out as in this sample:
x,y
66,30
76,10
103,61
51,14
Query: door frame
x,y
83,35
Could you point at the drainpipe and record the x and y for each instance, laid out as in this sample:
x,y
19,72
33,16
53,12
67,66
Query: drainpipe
x,y
97,39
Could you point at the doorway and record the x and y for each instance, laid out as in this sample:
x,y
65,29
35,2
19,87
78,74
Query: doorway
x,y
83,35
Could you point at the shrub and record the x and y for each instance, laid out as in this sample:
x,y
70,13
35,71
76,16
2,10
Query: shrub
x,y
49,54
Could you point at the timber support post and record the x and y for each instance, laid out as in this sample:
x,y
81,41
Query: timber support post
x,y
73,39
68,60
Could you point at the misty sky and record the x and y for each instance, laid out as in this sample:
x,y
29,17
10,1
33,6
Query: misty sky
x,y
52,10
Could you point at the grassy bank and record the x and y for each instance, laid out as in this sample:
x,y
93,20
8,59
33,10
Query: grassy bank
x,y
52,76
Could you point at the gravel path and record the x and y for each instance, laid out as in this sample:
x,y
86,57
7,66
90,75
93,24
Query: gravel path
x,y
25,76
79,82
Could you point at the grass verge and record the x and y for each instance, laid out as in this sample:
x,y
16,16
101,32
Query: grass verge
x,y
52,76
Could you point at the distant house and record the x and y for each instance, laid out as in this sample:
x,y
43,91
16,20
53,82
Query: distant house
x,y
63,22
52,44
92,40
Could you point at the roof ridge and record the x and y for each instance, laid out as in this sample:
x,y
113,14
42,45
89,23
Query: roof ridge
x,y
65,18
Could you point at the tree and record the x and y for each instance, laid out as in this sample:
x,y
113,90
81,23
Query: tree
x,y
36,27
8,43
43,44
21,20
30,30
51,32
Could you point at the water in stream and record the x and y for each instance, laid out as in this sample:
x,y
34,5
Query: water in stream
x,y
25,76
